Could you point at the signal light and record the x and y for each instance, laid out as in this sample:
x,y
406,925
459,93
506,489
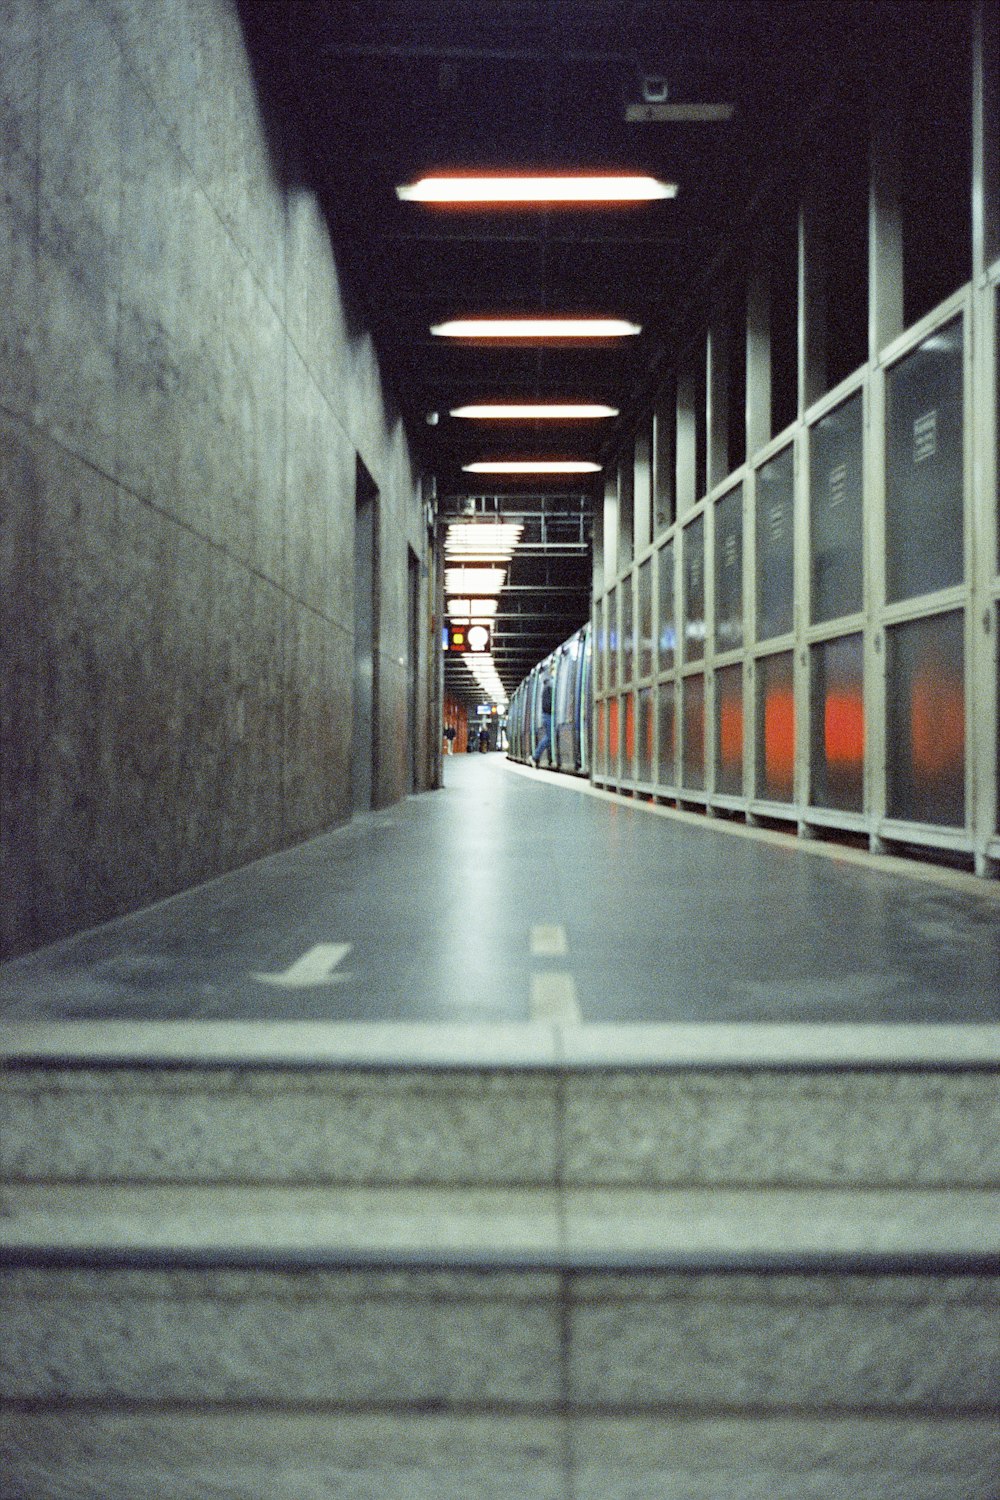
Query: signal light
x,y
467,639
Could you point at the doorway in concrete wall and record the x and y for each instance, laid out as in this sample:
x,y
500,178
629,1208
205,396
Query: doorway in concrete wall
x,y
364,747
412,662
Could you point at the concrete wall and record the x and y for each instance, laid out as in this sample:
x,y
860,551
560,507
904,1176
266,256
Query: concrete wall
x,y
182,403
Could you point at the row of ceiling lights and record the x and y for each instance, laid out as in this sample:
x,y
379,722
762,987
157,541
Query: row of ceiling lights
x,y
473,591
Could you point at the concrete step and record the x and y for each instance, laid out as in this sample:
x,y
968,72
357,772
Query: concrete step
x,y
532,1105
321,1455
401,1343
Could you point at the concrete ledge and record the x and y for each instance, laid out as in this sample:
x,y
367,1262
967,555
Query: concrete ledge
x,y
100,1455
538,1342
528,1045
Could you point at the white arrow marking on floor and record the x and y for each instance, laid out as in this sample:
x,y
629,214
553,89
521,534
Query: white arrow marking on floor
x,y
314,967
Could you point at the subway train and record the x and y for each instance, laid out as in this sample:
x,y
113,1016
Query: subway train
x,y
572,710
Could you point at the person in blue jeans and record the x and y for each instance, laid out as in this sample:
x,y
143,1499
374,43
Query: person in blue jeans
x,y
545,742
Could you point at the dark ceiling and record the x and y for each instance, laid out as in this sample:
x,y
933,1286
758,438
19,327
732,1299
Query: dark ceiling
x,y
381,92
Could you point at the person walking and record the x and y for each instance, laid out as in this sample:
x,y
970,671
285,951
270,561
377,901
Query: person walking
x,y
545,741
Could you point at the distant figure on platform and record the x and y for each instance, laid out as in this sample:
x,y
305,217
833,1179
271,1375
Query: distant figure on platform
x,y
545,742
449,739
484,740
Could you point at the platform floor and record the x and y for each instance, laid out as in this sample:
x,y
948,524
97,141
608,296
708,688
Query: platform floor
x,y
515,895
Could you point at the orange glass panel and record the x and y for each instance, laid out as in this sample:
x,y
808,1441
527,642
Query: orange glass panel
x,y
613,733
779,741
844,730
731,734
937,721
629,730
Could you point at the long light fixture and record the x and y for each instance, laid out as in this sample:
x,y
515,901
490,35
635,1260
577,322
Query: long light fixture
x,y
534,466
472,609
549,411
472,581
484,541
531,188
536,328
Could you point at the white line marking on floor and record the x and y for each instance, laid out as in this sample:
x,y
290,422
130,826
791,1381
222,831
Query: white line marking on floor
x,y
548,940
553,998
314,967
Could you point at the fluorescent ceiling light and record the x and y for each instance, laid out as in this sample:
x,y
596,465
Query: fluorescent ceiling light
x,y
536,328
606,188
552,410
534,466
485,541
467,581
472,609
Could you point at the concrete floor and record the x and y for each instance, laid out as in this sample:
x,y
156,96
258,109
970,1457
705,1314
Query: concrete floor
x,y
513,895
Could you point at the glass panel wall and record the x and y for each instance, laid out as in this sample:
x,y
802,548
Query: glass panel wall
x,y
837,733
775,728
836,483
627,629
694,590
612,622
667,644
775,571
644,736
601,757
628,758
926,720
613,739
601,653
729,571
729,730
693,690
924,467
644,618
667,753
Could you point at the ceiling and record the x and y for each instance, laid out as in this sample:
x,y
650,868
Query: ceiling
x,y
381,92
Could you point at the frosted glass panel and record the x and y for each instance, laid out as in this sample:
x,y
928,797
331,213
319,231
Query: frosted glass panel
x,y
667,752
614,748
729,730
602,737
837,748
694,732
644,736
627,629
601,637
644,618
836,482
926,720
665,611
923,498
775,504
729,571
775,728
628,757
613,639
694,590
